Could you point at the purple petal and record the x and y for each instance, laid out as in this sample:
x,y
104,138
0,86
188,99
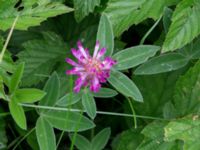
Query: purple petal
x,y
96,49
101,52
71,62
95,85
81,49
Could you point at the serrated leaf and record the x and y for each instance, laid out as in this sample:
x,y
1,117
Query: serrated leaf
x,y
40,57
81,142
105,35
133,56
101,139
89,104
163,63
105,93
33,14
124,85
127,140
68,121
45,135
30,95
84,7
16,78
69,99
17,113
52,88
186,94
186,129
124,13
154,138
185,25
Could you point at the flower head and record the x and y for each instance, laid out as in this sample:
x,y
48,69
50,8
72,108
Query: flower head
x,y
91,70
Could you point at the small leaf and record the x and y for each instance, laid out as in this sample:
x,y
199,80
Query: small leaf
x,y
105,93
167,18
81,142
29,95
45,135
51,88
16,78
131,57
185,25
17,113
105,35
125,86
100,140
68,121
163,63
89,104
69,99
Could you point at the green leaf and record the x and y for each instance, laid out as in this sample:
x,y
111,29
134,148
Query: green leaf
x,y
83,8
167,18
124,85
105,93
16,78
68,121
131,57
105,35
45,135
101,139
89,103
154,138
127,140
17,113
69,99
29,95
163,63
124,13
2,93
34,12
186,129
81,142
185,25
41,56
186,94
52,88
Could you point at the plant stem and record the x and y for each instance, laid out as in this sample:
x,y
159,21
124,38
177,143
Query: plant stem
x,y
8,39
133,111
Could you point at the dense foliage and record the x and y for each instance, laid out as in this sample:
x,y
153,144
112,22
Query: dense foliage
x,y
151,99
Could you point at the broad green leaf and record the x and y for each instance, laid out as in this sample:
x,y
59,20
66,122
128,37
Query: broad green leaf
x,y
105,35
69,99
81,142
127,140
16,78
40,57
30,95
33,14
154,138
186,94
68,121
131,57
45,135
89,103
101,139
105,93
124,85
124,13
84,7
185,25
51,88
163,63
186,129
17,113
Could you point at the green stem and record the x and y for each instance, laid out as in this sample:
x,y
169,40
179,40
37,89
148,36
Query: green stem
x,y
133,111
24,137
149,31
8,39
98,112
